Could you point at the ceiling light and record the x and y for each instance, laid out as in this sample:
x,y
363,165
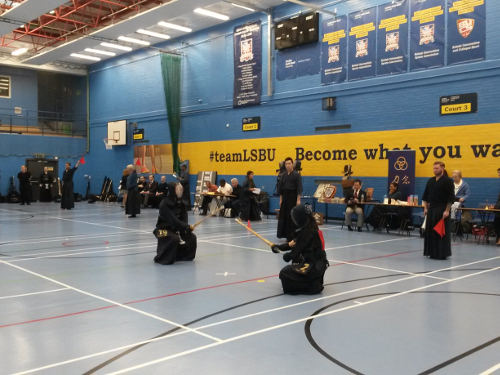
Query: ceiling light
x,y
152,33
133,40
116,46
52,12
85,57
241,6
98,51
175,27
19,51
211,14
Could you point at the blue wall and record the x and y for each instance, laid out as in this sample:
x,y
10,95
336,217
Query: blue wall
x,y
24,94
130,87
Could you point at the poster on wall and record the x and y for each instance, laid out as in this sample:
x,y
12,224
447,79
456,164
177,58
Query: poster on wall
x,y
154,158
334,51
247,40
466,31
392,38
427,34
298,62
362,44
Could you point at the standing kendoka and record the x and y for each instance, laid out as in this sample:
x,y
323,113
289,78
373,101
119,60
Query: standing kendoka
x,y
176,242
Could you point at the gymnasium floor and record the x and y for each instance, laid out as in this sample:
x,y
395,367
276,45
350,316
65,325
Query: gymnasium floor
x,y
80,294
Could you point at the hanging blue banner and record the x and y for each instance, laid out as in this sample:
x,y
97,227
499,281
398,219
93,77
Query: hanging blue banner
x,y
362,44
247,40
402,171
466,31
392,38
334,51
427,34
298,61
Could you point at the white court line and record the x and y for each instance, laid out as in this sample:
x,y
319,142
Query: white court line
x,y
491,370
272,328
31,294
359,303
386,269
370,243
53,239
239,318
100,225
113,302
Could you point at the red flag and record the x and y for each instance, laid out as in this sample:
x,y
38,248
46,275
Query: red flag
x,y
321,238
138,162
439,228
82,160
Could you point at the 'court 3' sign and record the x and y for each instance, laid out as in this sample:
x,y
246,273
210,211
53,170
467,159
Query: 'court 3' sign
x,y
454,104
251,123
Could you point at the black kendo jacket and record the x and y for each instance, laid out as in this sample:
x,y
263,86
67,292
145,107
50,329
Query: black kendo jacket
x,y
173,213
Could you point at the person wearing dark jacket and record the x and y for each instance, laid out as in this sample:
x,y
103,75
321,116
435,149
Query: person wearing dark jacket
x,y
176,240
68,195
289,190
24,178
309,263
379,212
161,192
123,187
184,180
248,205
46,180
133,205
353,198
149,191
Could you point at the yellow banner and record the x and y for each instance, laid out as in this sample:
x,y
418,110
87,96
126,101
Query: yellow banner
x,y
474,149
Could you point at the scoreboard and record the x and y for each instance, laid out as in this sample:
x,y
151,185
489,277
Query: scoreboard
x,y
297,30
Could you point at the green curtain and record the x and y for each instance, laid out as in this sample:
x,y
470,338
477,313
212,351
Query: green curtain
x,y
171,72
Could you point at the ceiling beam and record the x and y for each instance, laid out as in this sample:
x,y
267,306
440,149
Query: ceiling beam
x,y
319,9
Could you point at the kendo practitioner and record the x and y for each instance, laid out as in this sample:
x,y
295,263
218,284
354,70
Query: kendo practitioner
x,y
289,190
176,242
248,206
46,180
184,180
24,178
309,263
68,195
161,192
438,197
133,204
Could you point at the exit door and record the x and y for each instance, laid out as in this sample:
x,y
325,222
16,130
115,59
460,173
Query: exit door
x,y
35,167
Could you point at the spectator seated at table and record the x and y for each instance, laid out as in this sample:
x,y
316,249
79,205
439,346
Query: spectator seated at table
x,y
462,192
353,199
225,189
234,202
161,192
378,212
212,188
148,194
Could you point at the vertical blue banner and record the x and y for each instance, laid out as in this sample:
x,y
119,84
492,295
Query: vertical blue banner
x,y
392,38
402,171
247,41
334,51
427,34
362,44
466,31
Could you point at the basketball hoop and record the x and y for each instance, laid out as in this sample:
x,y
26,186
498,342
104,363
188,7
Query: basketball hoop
x,y
109,143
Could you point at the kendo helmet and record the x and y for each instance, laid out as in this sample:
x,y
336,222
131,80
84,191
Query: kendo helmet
x,y
301,215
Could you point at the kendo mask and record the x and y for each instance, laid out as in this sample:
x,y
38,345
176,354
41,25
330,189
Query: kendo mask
x,y
300,215
179,190
175,191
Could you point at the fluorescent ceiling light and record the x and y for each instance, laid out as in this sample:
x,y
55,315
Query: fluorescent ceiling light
x,y
169,25
85,57
241,6
52,12
152,33
19,51
133,40
98,51
116,46
211,14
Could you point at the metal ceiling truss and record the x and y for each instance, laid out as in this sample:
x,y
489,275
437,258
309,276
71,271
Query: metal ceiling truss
x,y
73,20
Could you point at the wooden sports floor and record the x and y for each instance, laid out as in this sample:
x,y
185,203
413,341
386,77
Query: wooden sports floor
x,y
80,294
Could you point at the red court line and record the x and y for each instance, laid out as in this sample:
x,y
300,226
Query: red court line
x,y
191,291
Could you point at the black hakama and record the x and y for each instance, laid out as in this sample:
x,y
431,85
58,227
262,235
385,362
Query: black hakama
x,y
174,248
133,204
295,283
68,196
249,210
438,194
285,222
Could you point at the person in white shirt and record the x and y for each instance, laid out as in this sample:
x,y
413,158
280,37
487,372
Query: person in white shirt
x,y
224,188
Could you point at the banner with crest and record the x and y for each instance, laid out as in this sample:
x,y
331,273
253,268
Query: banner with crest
x,y
427,34
466,31
362,44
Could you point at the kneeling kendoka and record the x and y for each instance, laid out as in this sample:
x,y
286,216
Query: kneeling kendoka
x,y
176,242
309,263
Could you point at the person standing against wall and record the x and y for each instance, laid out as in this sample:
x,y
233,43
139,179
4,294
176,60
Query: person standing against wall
x,y
68,194
46,180
289,190
133,205
438,197
24,178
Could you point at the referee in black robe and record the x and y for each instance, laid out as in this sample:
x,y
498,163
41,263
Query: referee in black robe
x,y
68,194
438,197
289,190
